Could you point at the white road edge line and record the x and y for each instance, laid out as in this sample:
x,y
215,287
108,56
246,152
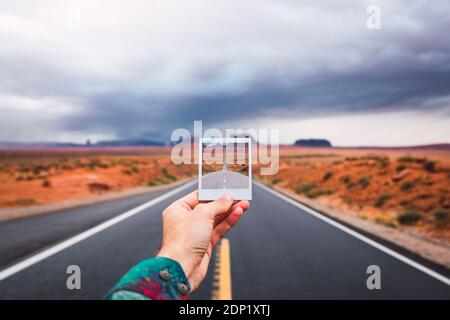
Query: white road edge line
x,y
86,234
357,235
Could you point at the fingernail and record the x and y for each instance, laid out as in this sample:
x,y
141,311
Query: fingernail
x,y
227,196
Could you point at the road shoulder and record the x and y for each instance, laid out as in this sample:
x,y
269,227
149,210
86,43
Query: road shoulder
x,y
434,251
9,214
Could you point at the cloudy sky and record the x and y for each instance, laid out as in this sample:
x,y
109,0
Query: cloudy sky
x,y
77,70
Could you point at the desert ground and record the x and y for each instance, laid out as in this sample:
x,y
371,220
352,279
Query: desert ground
x,y
404,189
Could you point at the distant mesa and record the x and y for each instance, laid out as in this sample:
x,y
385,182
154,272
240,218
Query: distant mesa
x,y
129,143
106,143
321,143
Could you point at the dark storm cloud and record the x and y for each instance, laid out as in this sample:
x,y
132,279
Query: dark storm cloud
x,y
322,95
126,75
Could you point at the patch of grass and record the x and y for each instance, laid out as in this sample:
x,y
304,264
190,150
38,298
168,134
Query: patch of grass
x,y
21,202
165,171
167,174
364,181
346,179
441,217
134,169
407,185
327,176
275,181
409,217
385,222
46,183
312,155
128,172
410,159
314,193
157,182
104,164
303,188
381,200
382,160
429,165
92,164
20,176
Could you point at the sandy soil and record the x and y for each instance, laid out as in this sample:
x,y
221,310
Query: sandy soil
x,y
406,190
15,213
42,177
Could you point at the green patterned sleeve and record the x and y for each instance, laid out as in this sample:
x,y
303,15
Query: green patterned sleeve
x,y
152,279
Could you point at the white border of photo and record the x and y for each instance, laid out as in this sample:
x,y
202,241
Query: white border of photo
x,y
213,194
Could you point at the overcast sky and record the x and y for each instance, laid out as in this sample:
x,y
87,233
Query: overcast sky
x,y
77,70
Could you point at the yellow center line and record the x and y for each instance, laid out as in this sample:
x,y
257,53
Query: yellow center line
x,y
222,283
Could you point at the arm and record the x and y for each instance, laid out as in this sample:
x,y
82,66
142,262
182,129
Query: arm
x,y
190,231
156,278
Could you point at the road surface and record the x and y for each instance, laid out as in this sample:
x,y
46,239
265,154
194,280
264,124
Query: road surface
x,y
278,251
225,179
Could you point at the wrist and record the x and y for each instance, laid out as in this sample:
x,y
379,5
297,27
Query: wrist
x,y
185,262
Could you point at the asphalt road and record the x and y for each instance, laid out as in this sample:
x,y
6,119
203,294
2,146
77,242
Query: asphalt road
x,y
278,251
225,179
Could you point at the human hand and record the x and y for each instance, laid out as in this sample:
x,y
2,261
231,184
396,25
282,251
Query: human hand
x,y
191,229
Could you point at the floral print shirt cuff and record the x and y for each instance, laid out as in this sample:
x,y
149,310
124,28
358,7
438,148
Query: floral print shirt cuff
x,y
155,278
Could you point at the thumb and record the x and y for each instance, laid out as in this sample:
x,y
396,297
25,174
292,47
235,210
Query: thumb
x,y
219,206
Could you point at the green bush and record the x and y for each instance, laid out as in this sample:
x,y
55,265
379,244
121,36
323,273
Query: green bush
x,y
400,167
430,166
364,181
381,200
409,217
327,176
385,222
440,217
20,176
411,159
134,169
127,172
346,179
158,181
305,187
382,160
314,193
406,185
275,181
93,164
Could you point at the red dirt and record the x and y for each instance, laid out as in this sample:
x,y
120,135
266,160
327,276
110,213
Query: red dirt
x,y
47,176
374,184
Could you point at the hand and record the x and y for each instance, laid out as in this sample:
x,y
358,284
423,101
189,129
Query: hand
x,y
191,229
